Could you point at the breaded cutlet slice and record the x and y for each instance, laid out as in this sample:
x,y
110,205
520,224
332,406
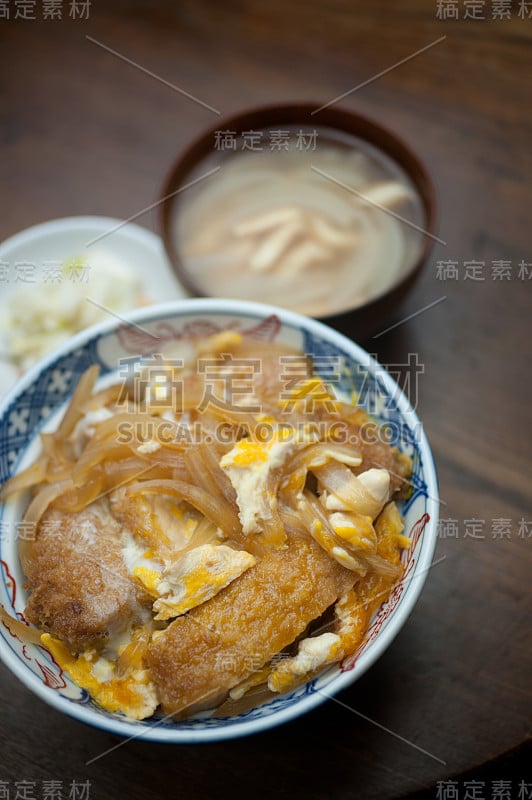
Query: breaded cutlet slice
x,y
203,654
80,589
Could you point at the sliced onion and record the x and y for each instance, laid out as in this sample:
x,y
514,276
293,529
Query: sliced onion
x,y
200,472
193,393
132,656
106,397
317,524
292,485
272,524
60,454
384,567
44,499
117,473
200,475
19,628
25,479
322,453
211,462
220,515
80,497
205,533
92,457
339,480
292,522
80,398
233,415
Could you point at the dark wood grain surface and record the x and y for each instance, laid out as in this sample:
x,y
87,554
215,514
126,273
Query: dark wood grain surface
x,y
85,133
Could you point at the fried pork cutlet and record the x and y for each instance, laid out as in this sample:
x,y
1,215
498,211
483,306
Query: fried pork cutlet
x,y
203,654
80,590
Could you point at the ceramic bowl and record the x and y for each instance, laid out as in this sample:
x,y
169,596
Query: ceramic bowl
x,y
361,321
36,403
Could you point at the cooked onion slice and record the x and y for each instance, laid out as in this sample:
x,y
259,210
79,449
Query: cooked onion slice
x,y
44,499
79,400
80,497
220,515
317,524
19,628
350,490
25,479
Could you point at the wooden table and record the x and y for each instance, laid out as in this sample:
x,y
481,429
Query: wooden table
x,y
84,132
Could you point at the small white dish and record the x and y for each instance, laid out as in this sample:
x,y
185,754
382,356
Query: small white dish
x,y
28,258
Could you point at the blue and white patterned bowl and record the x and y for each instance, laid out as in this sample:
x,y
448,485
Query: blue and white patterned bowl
x,y
36,403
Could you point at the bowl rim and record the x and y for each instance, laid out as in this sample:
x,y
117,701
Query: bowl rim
x,y
132,730
343,119
77,224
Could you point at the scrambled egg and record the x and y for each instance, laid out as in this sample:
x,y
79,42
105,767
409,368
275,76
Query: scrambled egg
x,y
197,576
309,394
355,529
249,466
330,544
137,557
312,654
188,580
133,693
